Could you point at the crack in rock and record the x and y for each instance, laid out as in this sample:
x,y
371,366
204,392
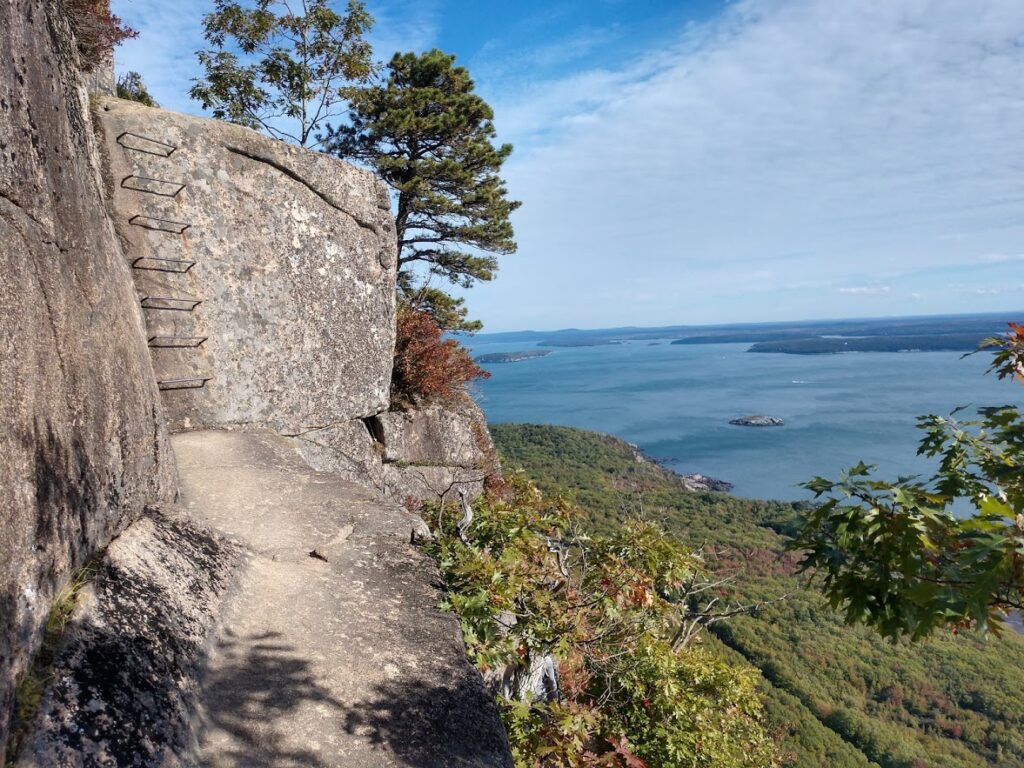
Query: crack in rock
x,y
367,225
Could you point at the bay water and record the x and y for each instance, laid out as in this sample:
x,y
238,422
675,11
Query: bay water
x,y
675,401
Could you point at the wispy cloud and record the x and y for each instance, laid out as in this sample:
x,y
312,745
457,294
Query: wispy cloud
x,y
404,26
873,137
867,290
993,290
1001,258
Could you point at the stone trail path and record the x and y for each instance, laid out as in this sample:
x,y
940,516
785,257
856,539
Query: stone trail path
x,y
340,661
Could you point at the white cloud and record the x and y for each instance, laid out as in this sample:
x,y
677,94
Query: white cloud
x,y
867,290
865,138
995,290
1001,258
749,168
403,26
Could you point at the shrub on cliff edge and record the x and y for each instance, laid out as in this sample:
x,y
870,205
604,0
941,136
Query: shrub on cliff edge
x,y
130,86
428,367
615,623
96,30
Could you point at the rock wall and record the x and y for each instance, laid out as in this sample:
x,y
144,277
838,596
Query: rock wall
x,y
435,450
266,272
414,455
83,446
160,271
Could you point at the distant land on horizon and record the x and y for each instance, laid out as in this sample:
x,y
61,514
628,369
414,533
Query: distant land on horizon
x,y
886,334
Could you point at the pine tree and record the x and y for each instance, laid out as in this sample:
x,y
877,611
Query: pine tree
x,y
429,136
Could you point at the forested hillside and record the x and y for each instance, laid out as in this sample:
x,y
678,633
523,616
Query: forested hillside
x,y
839,696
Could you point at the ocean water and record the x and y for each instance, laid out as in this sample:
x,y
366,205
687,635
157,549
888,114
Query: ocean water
x,y
675,402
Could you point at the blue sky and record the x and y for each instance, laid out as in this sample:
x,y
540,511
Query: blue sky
x,y
699,162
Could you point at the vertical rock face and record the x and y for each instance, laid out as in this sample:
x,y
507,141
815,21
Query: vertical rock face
x,y
267,268
437,449
82,446
416,455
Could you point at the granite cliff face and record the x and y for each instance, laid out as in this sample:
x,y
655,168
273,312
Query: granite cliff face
x,y
434,450
84,443
267,268
166,273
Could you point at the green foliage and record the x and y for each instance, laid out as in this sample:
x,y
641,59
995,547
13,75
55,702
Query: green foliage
x,y
835,695
635,689
281,71
429,136
130,86
902,556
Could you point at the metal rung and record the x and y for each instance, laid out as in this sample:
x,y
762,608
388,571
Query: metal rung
x,y
161,187
157,264
161,225
176,303
161,342
190,382
140,143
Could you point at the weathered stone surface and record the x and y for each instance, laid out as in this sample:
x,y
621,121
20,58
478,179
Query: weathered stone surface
x,y
294,257
82,447
436,450
758,421
416,455
417,483
334,659
101,79
348,449
125,681
703,483
454,435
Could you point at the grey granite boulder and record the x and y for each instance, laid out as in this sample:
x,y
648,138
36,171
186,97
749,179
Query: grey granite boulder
x,y
126,681
83,446
433,451
452,434
289,253
411,456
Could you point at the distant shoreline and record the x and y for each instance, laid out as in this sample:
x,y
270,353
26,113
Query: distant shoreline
x,y
693,481
969,329
817,345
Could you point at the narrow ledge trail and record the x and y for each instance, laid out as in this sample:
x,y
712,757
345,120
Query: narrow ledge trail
x,y
330,650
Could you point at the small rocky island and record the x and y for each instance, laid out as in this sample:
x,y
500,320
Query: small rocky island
x,y
758,421
512,357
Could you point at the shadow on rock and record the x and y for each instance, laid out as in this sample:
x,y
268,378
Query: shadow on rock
x,y
258,681
121,684
428,725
